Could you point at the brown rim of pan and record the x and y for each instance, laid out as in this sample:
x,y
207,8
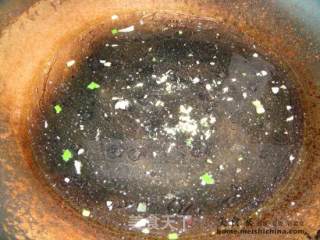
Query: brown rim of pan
x,y
35,48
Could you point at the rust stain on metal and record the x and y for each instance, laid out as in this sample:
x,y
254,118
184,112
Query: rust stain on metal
x,y
26,48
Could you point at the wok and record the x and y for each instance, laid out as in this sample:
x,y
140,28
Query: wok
x,y
43,41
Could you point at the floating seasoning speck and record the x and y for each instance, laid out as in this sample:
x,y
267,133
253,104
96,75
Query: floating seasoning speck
x,y
141,223
78,166
85,212
159,103
139,85
122,104
189,142
80,151
291,158
58,109
259,107
255,55
93,86
110,205
114,17
107,64
66,155
207,179
127,29
204,122
195,80
114,31
245,95
262,73
275,90
71,63
289,119
209,161
173,236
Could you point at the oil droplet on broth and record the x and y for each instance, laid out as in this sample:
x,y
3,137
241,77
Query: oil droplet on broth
x,y
169,114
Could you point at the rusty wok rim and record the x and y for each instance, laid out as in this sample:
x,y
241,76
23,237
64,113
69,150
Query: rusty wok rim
x,y
28,46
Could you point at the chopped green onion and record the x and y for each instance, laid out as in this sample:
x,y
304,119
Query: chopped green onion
x,y
173,236
207,179
142,207
66,155
93,86
58,108
114,31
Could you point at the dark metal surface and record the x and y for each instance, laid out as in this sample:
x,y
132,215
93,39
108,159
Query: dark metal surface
x,y
35,50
